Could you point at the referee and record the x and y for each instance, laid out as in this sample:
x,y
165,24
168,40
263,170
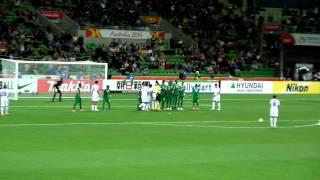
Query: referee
x,y
56,90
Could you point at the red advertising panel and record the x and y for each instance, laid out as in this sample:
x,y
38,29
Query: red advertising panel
x,y
93,33
3,45
68,86
287,39
3,10
272,27
152,19
53,15
159,35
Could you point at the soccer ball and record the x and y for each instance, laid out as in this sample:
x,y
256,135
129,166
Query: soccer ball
x,y
260,120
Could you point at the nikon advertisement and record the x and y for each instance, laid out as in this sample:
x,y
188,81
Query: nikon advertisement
x,y
296,87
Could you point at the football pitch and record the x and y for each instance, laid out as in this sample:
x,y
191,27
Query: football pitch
x,y
42,140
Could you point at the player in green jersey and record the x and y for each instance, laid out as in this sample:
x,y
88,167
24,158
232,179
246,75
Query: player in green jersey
x,y
106,97
139,106
163,94
195,97
197,75
77,99
181,94
169,96
175,94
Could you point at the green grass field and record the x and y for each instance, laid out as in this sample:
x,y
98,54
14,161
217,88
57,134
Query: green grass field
x,y
41,140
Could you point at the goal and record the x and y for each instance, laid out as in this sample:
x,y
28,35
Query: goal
x,y
26,79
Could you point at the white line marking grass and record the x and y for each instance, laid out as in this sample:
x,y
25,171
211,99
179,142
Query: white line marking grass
x,y
61,106
187,98
233,127
70,106
175,124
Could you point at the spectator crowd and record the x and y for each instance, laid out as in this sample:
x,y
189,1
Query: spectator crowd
x,y
225,36
302,20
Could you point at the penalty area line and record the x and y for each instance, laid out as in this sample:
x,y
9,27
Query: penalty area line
x,y
32,106
176,124
71,124
71,98
233,127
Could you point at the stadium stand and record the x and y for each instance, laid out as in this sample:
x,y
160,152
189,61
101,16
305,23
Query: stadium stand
x,y
26,38
226,35
97,13
301,20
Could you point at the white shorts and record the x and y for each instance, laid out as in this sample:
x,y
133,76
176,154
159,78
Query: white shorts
x,y
4,102
144,99
274,113
154,96
95,98
216,99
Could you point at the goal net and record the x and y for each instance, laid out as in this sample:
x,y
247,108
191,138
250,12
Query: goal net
x,y
35,79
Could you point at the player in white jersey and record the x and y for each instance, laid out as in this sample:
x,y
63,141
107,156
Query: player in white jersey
x,y
4,92
274,111
95,96
216,98
150,97
144,97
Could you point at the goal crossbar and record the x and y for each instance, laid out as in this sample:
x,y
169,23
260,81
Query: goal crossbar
x,y
15,71
55,62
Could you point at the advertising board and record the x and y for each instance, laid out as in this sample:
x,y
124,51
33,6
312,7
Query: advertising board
x,y
246,87
135,85
24,85
68,86
296,87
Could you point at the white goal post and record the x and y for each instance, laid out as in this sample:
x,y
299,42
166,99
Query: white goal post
x,y
19,73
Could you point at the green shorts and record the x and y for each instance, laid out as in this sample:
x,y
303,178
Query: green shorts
x,y
195,100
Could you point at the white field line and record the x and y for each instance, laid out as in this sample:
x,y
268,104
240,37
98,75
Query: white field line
x,y
118,106
206,99
233,127
129,106
70,124
159,123
223,121
33,106
303,102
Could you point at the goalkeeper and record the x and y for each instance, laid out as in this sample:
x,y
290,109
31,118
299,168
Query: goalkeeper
x,y
56,89
106,97
77,99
